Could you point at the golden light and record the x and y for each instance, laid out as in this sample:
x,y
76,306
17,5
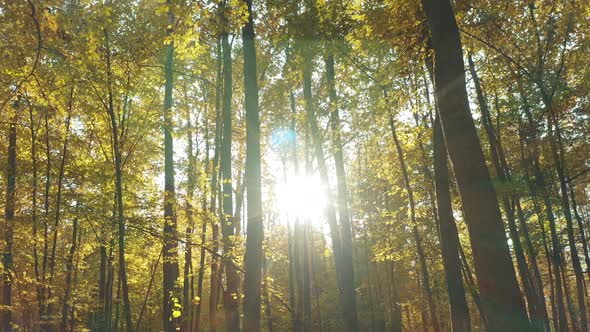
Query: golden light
x,y
301,196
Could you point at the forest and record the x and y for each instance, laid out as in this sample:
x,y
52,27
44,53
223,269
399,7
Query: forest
x,y
294,165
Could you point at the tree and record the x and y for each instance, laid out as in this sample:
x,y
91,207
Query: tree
x,y
501,297
170,249
254,255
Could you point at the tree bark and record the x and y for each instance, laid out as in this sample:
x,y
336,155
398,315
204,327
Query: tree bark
x,y
449,236
534,297
254,256
561,323
170,247
501,297
214,279
187,296
414,222
68,284
119,187
7,254
348,285
51,322
557,151
231,294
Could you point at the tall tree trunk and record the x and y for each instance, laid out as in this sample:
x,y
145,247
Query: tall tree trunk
x,y
449,236
254,256
350,322
348,285
231,295
396,308
537,310
7,254
307,286
72,319
267,303
170,248
417,238
35,221
196,324
557,151
68,284
147,293
119,186
42,309
580,223
214,279
50,307
187,296
561,323
501,297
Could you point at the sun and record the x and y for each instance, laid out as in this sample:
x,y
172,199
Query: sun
x,y
301,197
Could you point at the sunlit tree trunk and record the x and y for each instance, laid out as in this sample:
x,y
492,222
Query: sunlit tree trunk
x,y
42,309
396,322
214,278
58,200
561,324
231,294
580,223
535,301
414,223
170,249
7,254
34,218
557,151
196,324
187,296
501,297
68,284
119,186
348,284
254,256
447,228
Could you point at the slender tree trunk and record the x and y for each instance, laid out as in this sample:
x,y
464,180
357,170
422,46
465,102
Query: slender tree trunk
x,y
231,295
315,287
187,296
417,238
7,254
254,255
348,285
147,293
396,308
76,269
110,282
307,286
170,248
537,311
196,325
117,305
35,221
581,230
119,187
449,236
501,297
214,280
296,276
50,307
350,321
561,323
42,310
559,161
267,303
68,284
